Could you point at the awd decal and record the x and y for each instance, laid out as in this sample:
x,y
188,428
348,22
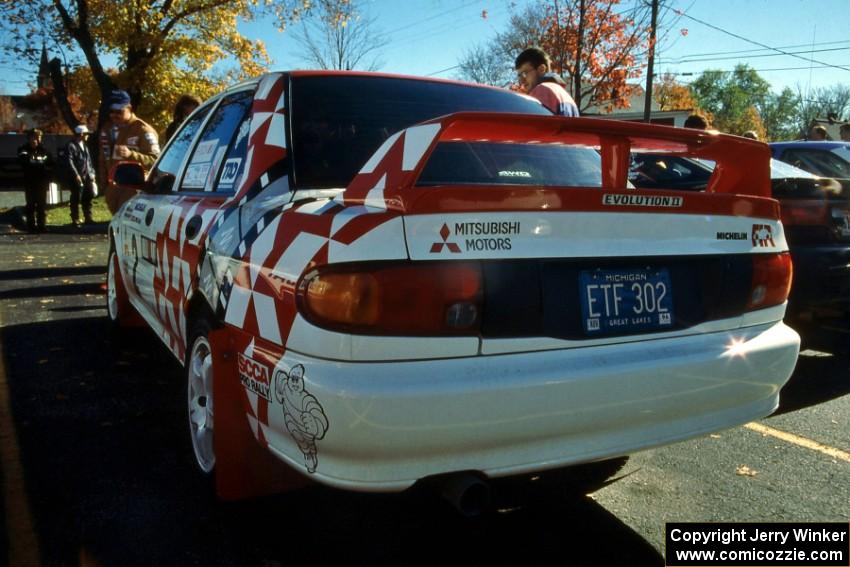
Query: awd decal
x,y
762,235
303,414
255,376
642,200
478,236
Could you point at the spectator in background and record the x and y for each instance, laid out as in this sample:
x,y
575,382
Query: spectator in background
x,y
184,107
844,132
534,70
817,134
80,173
125,137
751,134
36,162
696,122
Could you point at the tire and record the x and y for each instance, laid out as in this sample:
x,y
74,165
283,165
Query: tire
x,y
199,390
117,304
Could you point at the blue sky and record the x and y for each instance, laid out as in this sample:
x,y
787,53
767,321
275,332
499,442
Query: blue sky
x,y
430,36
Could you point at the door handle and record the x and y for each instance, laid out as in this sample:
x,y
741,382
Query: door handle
x,y
149,217
193,226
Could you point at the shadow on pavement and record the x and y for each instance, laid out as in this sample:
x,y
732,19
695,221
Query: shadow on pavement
x,y
817,379
63,271
52,290
108,469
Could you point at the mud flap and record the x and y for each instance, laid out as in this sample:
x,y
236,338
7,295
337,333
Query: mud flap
x,y
243,468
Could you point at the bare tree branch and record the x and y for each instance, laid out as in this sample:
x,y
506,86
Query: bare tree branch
x,y
337,36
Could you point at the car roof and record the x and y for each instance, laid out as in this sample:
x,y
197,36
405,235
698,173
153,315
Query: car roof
x,y
819,145
329,73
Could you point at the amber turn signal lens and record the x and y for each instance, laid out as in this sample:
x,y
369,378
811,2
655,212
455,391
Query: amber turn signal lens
x,y
394,298
350,299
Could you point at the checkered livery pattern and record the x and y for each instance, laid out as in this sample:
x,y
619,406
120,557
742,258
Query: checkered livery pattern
x,y
392,168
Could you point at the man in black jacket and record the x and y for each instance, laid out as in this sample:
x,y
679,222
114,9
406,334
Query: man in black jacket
x,y
80,175
36,163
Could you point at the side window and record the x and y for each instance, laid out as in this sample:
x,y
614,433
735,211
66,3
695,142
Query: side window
x,y
234,160
210,151
163,175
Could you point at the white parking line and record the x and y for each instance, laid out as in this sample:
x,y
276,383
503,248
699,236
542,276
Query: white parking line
x,y
801,441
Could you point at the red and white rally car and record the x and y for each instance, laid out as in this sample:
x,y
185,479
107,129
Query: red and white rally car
x,y
377,279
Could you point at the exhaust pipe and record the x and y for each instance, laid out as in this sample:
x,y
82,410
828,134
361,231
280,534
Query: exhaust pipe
x,y
468,494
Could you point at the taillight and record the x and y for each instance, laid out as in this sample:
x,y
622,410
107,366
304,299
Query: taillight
x,y
425,298
772,274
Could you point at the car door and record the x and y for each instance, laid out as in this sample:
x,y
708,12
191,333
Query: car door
x,y
180,226
140,248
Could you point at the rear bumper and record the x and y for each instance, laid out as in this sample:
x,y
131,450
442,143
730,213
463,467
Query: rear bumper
x,y
393,423
821,278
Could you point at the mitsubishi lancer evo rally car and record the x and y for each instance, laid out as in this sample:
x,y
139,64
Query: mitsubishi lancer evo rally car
x,y
376,280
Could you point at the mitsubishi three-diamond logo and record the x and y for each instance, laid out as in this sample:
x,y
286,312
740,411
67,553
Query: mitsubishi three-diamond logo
x,y
437,247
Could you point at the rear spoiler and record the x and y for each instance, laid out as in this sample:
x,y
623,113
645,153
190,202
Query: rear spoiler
x,y
742,165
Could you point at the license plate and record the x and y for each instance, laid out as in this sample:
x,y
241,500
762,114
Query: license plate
x,y
620,302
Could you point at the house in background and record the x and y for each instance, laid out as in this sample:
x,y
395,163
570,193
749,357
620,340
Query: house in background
x,y
634,113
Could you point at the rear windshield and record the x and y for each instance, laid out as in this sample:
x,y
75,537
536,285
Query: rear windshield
x,y
820,162
659,171
476,163
339,122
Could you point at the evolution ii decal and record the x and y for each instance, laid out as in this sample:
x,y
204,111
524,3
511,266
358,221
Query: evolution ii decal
x,y
303,415
621,200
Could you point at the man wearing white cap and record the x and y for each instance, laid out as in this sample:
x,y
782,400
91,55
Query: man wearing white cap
x,y
80,175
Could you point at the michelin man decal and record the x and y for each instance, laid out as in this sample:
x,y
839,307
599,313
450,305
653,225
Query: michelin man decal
x,y
303,415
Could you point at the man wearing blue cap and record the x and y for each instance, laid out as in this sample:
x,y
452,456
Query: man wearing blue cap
x,y
125,137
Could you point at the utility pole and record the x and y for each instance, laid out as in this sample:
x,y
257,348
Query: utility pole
x,y
650,75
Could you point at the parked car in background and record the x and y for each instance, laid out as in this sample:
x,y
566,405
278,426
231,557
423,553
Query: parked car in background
x,y
825,159
370,284
815,216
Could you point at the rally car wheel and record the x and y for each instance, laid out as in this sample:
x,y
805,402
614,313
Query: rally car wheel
x,y
199,371
117,304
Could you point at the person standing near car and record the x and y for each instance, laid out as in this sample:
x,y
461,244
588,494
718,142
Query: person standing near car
x,y
125,137
186,104
534,70
696,122
844,132
36,162
818,134
80,173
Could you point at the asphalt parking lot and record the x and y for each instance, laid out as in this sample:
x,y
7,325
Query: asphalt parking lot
x,y
96,465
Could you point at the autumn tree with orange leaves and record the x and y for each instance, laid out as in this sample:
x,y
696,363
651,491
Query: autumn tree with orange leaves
x,y
163,47
598,46
672,95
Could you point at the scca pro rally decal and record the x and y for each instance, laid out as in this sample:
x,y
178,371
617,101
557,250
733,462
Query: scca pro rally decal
x,y
476,236
621,200
303,415
255,376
